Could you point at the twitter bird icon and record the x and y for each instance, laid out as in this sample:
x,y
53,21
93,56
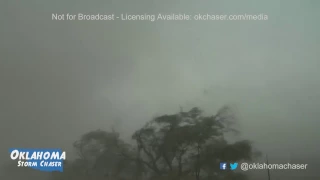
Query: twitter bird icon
x,y
233,166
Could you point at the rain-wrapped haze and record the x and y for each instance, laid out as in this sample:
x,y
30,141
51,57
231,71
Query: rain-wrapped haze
x,y
60,79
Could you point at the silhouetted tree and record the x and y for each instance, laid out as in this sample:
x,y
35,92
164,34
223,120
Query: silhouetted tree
x,y
190,144
185,145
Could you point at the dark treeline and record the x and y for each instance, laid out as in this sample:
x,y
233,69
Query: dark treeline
x,y
186,145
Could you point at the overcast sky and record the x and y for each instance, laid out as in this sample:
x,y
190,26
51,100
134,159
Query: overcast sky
x,y
60,79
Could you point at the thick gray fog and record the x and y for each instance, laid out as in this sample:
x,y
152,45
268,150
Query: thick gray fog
x,y
60,79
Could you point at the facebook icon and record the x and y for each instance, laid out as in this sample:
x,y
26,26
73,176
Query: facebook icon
x,y
223,166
